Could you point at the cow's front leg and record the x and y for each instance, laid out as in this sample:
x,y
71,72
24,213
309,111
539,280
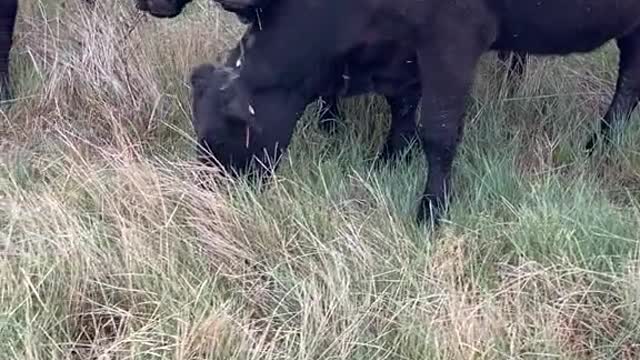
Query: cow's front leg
x,y
330,113
446,75
403,123
627,93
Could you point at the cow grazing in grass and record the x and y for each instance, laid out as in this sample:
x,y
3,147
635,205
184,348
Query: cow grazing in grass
x,y
301,40
385,69
8,10
382,68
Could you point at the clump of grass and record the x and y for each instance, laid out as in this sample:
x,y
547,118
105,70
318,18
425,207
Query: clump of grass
x,y
115,243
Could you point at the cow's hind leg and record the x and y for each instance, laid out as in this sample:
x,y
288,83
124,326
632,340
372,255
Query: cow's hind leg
x,y
627,92
445,87
8,11
403,123
329,117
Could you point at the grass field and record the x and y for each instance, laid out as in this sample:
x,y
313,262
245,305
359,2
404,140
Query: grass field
x,y
110,248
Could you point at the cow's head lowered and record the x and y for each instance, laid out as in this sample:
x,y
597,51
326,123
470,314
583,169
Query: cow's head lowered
x,y
233,125
248,109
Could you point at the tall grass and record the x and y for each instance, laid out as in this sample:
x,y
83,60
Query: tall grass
x,y
111,248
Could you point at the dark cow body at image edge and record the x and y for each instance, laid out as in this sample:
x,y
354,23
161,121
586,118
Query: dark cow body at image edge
x,y
301,40
383,67
8,11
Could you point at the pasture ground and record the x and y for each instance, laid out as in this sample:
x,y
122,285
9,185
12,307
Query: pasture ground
x,y
109,248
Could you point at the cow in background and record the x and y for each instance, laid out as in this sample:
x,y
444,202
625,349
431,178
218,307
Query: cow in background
x,y
300,41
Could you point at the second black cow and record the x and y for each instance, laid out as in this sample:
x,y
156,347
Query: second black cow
x,y
300,40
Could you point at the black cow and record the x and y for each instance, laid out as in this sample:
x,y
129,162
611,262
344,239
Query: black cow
x,y
384,68
301,40
8,10
381,67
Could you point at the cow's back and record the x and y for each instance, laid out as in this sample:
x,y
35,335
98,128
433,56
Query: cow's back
x,y
534,26
562,26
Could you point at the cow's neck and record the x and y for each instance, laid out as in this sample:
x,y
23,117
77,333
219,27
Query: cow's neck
x,y
286,50
269,69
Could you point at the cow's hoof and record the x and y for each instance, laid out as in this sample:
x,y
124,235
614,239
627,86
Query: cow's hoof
x,y
592,144
428,214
